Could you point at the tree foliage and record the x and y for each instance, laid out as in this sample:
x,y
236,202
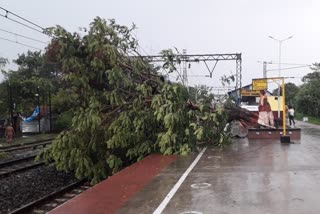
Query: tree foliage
x,y
3,62
200,92
33,71
308,98
123,109
291,90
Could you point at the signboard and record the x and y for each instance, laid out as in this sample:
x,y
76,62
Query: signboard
x,y
259,84
249,93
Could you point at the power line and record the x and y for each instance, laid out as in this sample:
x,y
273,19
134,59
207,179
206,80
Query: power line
x,y
136,38
16,34
290,68
21,23
20,43
7,11
195,75
276,63
43,30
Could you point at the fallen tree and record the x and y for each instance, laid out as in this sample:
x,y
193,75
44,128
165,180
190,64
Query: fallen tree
x,y
125,109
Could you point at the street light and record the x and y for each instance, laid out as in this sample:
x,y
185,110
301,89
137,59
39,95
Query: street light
x,y
38,103
280,43
11,104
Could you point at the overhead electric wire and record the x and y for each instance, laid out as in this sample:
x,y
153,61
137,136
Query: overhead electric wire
x,y
21,23
43,30
20,43
26,37
290,68
276,63
7,11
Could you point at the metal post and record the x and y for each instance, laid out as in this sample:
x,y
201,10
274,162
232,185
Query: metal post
x,y
50,115
264,69
238,77
38,97
184,69
280,42
283,109
11,104
279,75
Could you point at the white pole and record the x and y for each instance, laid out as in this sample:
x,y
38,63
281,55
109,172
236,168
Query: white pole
x,y
279,76
280,42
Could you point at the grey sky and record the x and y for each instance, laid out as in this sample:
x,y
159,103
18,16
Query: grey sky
x,y
202,26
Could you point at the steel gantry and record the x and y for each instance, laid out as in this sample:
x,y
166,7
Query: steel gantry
x,y
204,58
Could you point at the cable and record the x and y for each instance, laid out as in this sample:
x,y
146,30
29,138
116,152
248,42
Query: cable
x,y
7,11
23,36
290,68
21,24
20,43
43,30
276,63
287,63
198,76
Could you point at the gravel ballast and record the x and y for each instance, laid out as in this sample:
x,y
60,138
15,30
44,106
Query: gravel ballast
x,y
20,189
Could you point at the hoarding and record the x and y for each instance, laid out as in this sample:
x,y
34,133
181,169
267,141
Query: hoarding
x,y
249,93
259,84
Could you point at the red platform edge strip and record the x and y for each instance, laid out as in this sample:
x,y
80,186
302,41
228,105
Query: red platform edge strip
x,y
112,193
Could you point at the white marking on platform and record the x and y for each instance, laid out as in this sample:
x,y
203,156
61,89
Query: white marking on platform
x,y
191,212
167,199
212,167
200,185
214,157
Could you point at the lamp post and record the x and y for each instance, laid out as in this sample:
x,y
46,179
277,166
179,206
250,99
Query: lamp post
x,y
38,103
10,104
279,74
50,113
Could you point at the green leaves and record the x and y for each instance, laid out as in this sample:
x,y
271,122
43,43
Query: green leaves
x,y
122,110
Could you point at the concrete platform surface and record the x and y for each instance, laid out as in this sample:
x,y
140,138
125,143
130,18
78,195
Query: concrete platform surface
x,y
250,177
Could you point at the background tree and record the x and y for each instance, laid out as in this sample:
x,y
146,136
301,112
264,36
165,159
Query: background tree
x,y
308,98
3,62
291,90
3,91
33,71
200,92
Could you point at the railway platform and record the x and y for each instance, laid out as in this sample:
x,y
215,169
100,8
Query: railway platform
x,y
249,176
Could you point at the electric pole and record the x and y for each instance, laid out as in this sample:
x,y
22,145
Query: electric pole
x,y
184,69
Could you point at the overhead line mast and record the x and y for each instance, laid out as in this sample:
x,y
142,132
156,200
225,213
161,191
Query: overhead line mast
x,y
204,58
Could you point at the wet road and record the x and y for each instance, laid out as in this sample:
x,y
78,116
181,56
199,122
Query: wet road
x,y
256,176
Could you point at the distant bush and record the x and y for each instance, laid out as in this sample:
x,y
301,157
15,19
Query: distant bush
x,y
311,119
63,121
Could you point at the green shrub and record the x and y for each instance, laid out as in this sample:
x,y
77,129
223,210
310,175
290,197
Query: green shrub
x,y
63,121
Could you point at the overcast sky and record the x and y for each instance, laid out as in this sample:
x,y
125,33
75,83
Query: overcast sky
x,y
201,27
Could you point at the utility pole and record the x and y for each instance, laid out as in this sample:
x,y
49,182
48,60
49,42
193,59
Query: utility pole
x,y
279,68
264,69
50,115
10,104
38,103
184,69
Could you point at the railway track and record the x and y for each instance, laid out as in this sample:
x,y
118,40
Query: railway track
x,y
31,145
51,201
18,165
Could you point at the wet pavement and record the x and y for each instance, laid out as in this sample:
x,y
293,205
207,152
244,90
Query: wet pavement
x,y
256,176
